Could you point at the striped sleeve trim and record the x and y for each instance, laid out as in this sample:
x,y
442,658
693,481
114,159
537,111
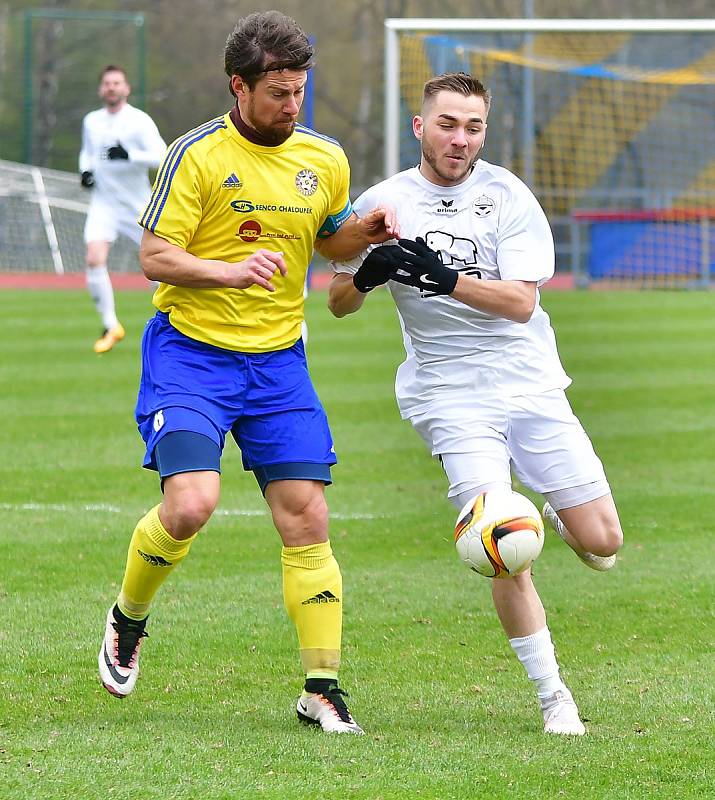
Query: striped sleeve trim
x,y
176,152
311,132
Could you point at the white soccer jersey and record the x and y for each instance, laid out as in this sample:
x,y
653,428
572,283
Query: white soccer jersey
x,y
122,185
491,226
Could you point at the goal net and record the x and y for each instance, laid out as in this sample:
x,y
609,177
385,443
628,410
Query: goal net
x,y
611,123
42,214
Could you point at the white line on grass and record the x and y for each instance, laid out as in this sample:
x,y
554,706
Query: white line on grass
x,y
109,509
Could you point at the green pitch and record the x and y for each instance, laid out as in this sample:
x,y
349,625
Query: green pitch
x,y
447,709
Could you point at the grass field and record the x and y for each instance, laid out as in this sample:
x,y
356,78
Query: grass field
x,y
447,709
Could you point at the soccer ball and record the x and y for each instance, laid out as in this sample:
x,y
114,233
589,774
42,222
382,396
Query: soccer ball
x,y
499,533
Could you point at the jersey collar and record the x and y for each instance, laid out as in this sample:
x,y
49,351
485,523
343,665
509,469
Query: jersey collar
x,y
247,131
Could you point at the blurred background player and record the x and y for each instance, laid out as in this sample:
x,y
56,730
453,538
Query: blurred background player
x,y
119,145
238,206
482,382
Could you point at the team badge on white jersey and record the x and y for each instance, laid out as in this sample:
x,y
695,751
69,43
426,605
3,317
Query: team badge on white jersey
x,y
483,206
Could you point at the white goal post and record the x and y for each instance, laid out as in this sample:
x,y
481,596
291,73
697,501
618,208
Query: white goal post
x,y
42,215
610,121
394,26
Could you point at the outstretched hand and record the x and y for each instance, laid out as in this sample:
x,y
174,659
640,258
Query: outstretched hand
x,y
380,225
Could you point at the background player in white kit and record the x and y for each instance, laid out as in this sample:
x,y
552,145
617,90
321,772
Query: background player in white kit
x,y
119,144
482,382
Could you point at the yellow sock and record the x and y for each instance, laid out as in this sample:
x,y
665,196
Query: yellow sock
x,y
313,597
153,554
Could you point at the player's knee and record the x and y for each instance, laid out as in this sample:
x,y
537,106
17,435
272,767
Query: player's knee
x,y
312,513
610,539
185,513
300,517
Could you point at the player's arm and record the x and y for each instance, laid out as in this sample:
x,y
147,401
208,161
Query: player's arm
x,y
166,262
343,297
416,264
514,300
86,162
152,148
357,233
350,286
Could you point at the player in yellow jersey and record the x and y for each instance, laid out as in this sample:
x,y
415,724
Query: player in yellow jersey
x,y
237,208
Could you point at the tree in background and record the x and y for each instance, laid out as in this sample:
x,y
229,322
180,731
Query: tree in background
x,y
185,40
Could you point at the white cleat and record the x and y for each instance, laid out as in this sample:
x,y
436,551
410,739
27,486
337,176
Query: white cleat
x,y
328,710
119,656
599,563
561,715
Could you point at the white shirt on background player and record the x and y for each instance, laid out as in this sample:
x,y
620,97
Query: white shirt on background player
x,y
121,184
491,225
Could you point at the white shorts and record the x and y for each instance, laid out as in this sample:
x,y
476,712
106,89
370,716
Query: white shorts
x,y
104,223
538,437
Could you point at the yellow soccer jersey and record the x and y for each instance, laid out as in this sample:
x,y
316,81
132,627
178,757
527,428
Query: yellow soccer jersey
x,y
219,196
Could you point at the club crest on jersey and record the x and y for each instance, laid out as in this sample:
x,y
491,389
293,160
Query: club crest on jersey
x,y
232,182
483,206
306,182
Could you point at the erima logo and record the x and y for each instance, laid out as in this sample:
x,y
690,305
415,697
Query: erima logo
x,y
156,561
447,207
322,597
232,182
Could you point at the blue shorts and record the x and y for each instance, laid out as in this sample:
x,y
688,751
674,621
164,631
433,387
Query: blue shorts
x,y
266,400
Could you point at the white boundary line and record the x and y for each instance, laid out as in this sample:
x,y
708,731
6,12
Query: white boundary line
x,y
110,509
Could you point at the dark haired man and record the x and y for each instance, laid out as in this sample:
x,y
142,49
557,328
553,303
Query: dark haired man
x,y
482,382
119,145
238,206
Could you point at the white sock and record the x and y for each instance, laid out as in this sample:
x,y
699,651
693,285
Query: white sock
x,y
101,292
536,653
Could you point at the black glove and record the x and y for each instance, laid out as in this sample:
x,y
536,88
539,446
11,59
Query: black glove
x,y
87,179
420,266
117,152
377,267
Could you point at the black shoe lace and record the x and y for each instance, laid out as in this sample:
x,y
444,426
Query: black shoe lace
x,y
335,695
129,636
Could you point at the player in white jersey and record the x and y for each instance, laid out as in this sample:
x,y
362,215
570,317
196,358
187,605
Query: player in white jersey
x,y
482,382
119,144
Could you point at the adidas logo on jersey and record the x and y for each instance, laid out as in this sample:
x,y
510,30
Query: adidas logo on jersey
x,y
232,182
